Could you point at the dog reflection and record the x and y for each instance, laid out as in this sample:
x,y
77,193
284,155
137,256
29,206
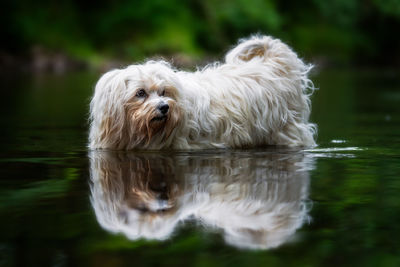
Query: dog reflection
x,y
258,202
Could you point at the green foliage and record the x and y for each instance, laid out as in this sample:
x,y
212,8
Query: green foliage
x,y
338,31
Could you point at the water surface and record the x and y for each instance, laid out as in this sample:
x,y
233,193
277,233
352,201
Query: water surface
x,y
335,205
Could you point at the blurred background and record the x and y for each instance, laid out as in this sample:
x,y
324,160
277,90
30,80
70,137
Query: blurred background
x,y
70,34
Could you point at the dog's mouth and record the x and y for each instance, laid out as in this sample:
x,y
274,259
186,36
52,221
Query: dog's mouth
x,y
159,118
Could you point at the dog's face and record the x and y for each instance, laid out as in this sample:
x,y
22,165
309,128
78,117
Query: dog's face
x,y
152,110
136,107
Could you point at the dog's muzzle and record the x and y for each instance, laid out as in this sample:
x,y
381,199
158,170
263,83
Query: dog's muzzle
x,y
163,108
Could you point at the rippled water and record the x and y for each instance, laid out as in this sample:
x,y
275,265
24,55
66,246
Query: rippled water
x,y
335,205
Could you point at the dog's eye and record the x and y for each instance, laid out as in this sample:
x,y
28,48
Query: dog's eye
x,y
141,93
162,92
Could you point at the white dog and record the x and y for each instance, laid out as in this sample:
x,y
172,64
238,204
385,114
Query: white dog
x,y
259,96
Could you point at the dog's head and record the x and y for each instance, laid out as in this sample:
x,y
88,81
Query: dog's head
x,y
135,107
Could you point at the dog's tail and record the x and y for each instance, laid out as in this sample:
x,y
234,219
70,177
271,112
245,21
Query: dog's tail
x,y
275,55
283,67
269,51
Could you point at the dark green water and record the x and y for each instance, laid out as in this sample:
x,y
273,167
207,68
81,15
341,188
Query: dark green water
x,y
336,205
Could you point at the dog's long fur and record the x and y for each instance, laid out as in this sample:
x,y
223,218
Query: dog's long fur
x,y
259,96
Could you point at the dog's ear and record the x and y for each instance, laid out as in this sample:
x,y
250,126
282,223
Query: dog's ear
x,y
107,114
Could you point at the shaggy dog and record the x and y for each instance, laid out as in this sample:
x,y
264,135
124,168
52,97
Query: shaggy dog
x,y
258,96
256,202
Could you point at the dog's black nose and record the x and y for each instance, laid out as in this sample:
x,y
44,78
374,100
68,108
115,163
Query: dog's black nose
x,y
163,108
